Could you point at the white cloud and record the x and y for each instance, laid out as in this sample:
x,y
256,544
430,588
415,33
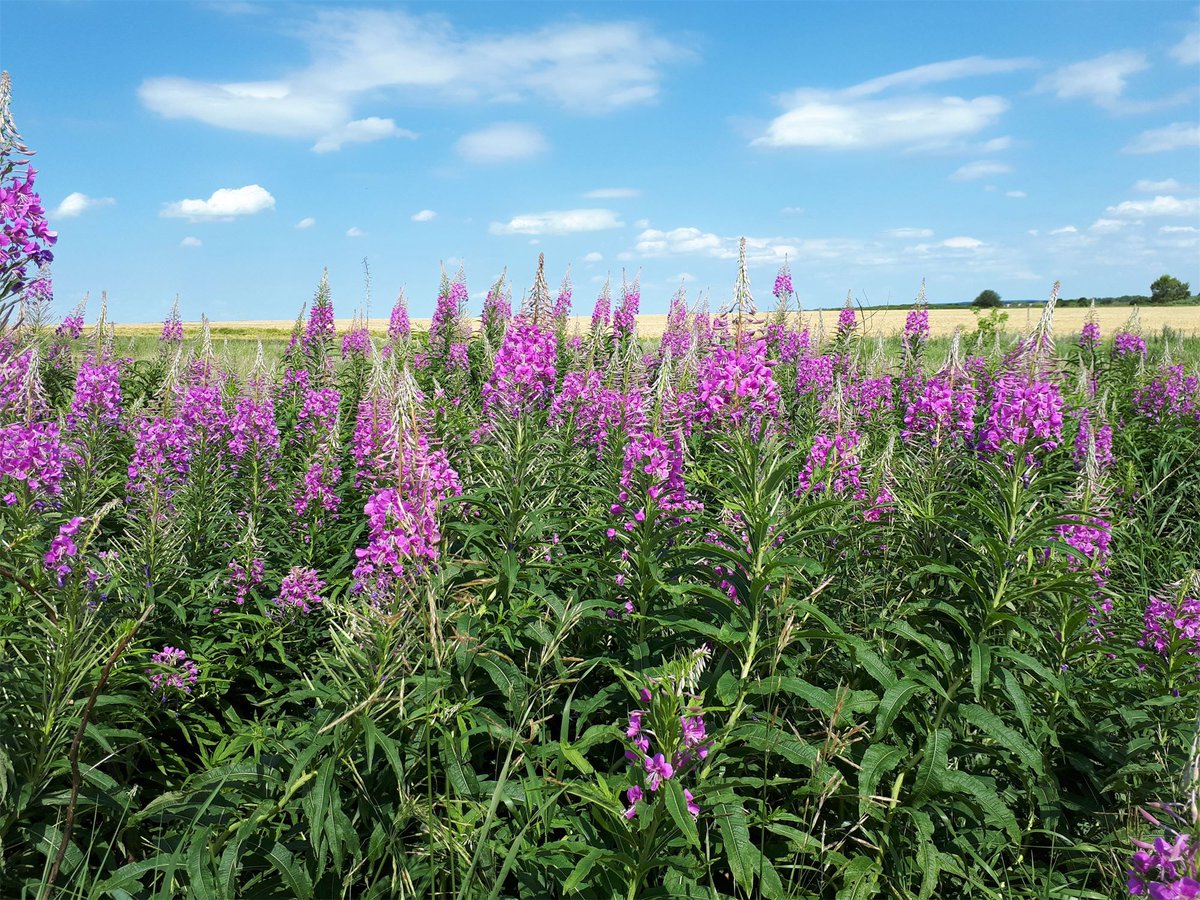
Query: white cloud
x,y
1187,51
594,257
1179,229
306,222
962,243
1066,229
501,143
569,221
375,56
1155,187
792,210
75,204
1017,195
980,169
857,117
909,233
355,231
612,193
361,131
642,223
425,215
995,145
1107,226
191,242
1161,205
1177,136
224,205
688,241
1100,80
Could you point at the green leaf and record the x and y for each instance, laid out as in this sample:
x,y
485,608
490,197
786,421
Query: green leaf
x,y
993,726
817,697
735,835
995,812
876,762
770,739
932,769
874,664
677,807
981,667
860,879
894,699
583,868
294,876
1019,700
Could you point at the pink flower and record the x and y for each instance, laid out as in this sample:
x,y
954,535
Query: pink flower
x,y
658,769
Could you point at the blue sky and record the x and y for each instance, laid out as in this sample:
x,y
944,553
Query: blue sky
x,y
227,151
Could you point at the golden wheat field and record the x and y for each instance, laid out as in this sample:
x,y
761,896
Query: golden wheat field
x,y
942,322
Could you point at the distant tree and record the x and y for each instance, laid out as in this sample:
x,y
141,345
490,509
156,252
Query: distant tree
x,y
1169,290
987,300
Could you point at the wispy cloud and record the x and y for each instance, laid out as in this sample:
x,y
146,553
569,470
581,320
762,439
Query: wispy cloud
x,y
858,117
594,257
501,143
1162,205
1187,51
76,204
425,215
612,193
355,232
391,56
1016,195
571,221
909,234
1101,80
1066,229
1176,136
191,242
306,222
224,205
361,131
655,243
980,169
1155,187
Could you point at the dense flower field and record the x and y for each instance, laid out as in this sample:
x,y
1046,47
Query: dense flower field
x,y
762,609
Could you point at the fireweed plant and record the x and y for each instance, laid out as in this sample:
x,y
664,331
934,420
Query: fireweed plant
x,y
505,610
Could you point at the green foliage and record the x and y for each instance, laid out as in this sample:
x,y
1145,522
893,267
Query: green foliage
x,y
987,299
914,705
1166,289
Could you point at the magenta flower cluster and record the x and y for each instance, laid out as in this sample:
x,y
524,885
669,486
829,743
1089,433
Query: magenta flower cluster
x,y
1023,411
832,464
624,320
1126,343
174,674
1171,396
97,400
1171,627
24,235
737,386
299,593
684,741
524,372
172,329
1164,870
242,579
33,454
943,411
1089,335
62,549
404,533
